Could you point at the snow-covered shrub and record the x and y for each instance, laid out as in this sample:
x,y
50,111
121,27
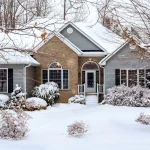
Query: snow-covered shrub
x,y
78,128
48,91
144,119
135,96
3,101
17,99
77,99
13,124
35,103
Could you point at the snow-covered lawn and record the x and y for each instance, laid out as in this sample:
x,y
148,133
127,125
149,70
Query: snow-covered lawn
x,y
111,128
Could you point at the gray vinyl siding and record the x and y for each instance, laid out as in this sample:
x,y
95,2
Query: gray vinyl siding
x,y
30,80
17,74
79,39
114,63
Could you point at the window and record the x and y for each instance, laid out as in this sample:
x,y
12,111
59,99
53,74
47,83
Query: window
x,y
65,79
45,76
56,74
123,77
3,80
135,77
132,77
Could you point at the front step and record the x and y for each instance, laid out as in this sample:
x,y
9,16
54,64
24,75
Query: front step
x,y
91,99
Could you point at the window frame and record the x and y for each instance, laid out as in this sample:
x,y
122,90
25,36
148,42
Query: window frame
x,y
62,79
7,79
138,76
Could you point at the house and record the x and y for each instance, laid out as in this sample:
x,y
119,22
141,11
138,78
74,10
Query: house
x,y
81,58
71,57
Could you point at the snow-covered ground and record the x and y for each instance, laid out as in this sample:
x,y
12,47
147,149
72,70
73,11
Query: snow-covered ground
x,y
111,128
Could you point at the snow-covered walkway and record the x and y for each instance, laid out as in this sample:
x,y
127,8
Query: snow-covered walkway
x,y
111,128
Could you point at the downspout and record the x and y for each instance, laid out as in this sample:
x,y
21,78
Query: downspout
x,y
25,78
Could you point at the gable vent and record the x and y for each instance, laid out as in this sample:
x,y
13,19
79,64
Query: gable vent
x,y
69,30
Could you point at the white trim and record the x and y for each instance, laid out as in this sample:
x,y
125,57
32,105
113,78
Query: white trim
x,y
104,80
25,78
93,54
7,80
63,39
90,69
62,70
90,89
103,61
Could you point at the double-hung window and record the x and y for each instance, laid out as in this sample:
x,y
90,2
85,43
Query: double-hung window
x,y
57,74
3,80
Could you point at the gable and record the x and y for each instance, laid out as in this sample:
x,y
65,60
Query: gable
x,y
128,58
61,38
55,50
79,40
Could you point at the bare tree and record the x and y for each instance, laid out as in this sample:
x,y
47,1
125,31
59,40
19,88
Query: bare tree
x,y
130,19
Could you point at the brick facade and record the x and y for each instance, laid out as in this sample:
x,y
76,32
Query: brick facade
x,y
56,50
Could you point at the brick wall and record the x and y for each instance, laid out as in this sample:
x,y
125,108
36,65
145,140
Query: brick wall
x,y
56,50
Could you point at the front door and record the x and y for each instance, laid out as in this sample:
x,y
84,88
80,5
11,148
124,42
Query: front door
x,y
90,86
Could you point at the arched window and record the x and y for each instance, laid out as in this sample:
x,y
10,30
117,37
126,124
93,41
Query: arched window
x,y
55,65
57,74
90,65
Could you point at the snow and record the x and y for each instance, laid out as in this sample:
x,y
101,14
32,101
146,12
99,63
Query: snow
x,y
91,99
111,128
77,99
101,35
37,101
15,57
3,99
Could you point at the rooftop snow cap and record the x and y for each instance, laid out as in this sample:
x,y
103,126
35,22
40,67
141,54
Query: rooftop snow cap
x,y
15,57
102,36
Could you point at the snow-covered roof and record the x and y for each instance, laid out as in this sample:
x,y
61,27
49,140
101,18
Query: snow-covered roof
x,y
96,33
104,60
30,38
15,57
101,35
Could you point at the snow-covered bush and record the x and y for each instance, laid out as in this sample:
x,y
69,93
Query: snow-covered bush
x,y
48,91
78,128
135,96
13,124
77,99
17,99
3,101
144,119
35,103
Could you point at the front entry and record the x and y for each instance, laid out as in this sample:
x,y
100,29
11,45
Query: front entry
x,y
90,81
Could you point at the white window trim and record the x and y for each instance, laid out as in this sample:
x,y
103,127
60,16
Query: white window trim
x,y
61,76
7,79
68,80
137,76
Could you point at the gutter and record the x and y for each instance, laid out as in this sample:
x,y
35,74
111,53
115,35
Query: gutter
x,y
25,78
